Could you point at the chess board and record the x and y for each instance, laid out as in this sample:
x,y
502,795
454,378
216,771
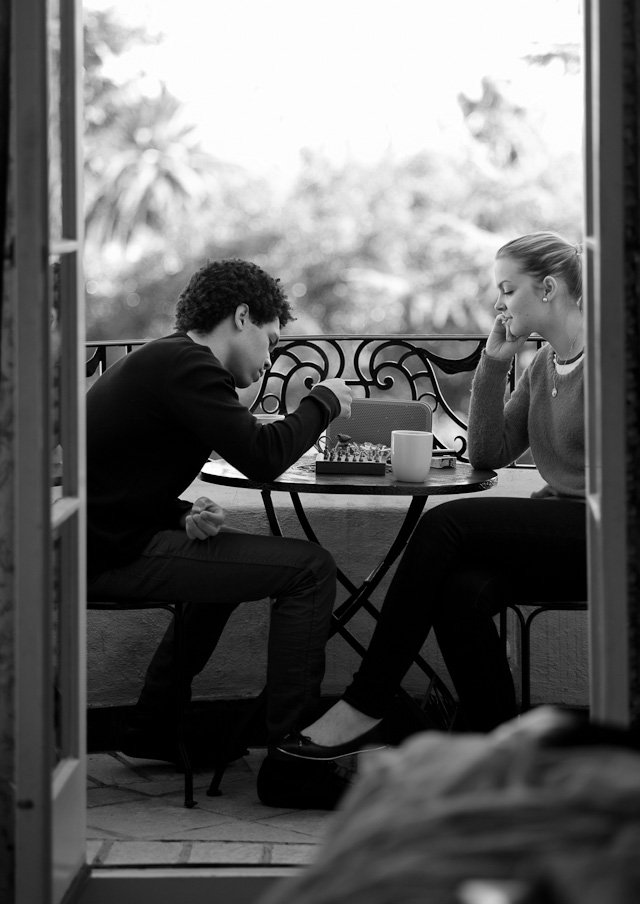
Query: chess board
x,y
348,457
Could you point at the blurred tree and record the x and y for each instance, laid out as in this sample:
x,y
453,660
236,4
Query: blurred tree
x,y
566,53
401,245
149,172
105,39
156,204
497,123
144,168
407,245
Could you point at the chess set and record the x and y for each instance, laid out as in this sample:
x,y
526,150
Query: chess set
x,y
348,457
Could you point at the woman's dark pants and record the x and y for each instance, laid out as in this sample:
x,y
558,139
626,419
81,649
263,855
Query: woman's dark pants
x,y
465,561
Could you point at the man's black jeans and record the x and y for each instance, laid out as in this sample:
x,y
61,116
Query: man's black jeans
x,y
216,575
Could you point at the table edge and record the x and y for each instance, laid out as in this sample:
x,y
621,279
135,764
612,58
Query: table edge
x,y
484,480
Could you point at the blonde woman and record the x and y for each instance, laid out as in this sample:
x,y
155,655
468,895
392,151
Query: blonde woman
x,y
468,558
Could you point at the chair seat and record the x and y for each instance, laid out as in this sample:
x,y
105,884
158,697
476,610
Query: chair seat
x,y
177,612
524,624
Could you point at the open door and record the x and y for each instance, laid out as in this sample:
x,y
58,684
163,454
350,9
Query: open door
x,y
49,452
607,477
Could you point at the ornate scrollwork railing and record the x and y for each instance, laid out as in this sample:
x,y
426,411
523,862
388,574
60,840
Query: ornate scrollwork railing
x,y
433,368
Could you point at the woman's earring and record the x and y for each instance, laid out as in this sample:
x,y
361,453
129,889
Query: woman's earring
x,y
545,298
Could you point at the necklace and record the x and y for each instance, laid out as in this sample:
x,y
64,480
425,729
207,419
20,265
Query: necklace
x,y
569,360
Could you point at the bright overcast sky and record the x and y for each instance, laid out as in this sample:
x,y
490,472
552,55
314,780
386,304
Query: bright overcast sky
x,y
263,78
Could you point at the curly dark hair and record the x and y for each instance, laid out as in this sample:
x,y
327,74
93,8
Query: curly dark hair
x,y
216,290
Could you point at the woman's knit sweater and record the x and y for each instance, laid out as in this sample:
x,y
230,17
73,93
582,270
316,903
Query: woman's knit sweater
x,y
553,428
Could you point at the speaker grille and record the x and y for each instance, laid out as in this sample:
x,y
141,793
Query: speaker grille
x,y
372,420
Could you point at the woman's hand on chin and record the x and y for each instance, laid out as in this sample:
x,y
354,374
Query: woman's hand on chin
x,y
502,344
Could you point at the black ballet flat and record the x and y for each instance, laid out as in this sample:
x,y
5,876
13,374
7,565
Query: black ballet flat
x,y
299,745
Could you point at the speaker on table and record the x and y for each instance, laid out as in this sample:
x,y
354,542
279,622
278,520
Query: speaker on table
x,y
372,420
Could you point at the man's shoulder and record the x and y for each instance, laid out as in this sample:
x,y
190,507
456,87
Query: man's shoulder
x,y
176,360
169,360
171,344
147,361
174,346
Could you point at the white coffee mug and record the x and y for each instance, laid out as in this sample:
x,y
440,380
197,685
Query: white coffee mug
x,y
411,455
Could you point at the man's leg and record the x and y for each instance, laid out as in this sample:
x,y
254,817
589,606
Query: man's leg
x,y
214,576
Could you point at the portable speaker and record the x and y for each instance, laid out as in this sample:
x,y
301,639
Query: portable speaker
x,y
372,420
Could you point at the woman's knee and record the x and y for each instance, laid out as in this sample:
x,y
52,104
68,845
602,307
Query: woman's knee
x,y
437,528
471,592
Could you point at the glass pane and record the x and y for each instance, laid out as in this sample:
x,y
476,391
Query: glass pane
x,y
59,702
56,375
55,178
64,629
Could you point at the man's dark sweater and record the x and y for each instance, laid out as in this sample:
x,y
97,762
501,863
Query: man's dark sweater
x,y
152,420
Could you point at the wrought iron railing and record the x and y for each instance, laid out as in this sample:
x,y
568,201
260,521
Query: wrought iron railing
x,y
433,368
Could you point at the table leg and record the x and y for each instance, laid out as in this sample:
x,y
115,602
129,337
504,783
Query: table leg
x,y
337,625
272,518
359,597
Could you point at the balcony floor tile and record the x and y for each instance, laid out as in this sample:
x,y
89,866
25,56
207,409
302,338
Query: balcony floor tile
x,y
136,817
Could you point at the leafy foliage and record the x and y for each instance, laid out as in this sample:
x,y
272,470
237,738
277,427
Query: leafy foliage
x,y
401,245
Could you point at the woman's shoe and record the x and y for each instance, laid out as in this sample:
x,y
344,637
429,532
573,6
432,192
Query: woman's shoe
x,y
299,745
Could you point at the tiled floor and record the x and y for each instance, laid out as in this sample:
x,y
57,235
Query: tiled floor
x,y
135,815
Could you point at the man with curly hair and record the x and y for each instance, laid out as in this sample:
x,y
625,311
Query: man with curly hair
x,y
152,420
